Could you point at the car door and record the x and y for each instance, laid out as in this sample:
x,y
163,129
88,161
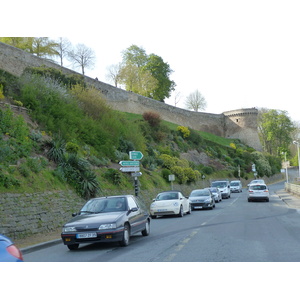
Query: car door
x,y
136,216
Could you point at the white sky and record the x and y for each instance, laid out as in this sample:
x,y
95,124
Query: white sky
x,y
237,53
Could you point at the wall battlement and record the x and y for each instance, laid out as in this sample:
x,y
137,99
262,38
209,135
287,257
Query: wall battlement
x,y
240,124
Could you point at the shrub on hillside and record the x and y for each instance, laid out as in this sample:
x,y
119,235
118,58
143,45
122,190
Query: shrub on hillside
x,y
152,118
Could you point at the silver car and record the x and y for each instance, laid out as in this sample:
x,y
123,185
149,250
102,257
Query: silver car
x,y
201,199
216,194
258,192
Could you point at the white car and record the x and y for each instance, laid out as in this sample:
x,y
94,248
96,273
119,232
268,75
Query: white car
x,y
236,186
170,203
258,192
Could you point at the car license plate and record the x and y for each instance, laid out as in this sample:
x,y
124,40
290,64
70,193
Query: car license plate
x,y
86,235
160,210
198,206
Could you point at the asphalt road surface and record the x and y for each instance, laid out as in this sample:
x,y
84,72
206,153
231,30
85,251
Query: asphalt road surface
x,y
235,231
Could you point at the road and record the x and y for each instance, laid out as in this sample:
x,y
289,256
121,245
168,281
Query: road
x,y
235,231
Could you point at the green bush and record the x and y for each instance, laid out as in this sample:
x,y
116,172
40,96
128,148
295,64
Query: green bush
x,y
113,176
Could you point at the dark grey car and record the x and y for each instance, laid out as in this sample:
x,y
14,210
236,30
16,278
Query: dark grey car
x,y
201,199
106,219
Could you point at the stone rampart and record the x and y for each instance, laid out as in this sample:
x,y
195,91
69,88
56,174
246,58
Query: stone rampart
x,y
14,61
26,214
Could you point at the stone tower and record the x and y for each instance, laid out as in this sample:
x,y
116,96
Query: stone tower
x,y
242,124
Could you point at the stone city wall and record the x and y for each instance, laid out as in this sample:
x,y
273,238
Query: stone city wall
x,y
14,61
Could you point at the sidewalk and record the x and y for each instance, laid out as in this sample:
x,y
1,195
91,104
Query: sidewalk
x,y
291,200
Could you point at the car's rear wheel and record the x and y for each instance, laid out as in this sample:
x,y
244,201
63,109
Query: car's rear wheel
x,y
73,246
126,236
146,231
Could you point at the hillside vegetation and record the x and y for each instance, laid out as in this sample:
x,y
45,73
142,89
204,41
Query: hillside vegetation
x,y
73,139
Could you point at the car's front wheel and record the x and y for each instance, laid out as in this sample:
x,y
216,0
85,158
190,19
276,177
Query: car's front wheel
x,y
180,212
126,236
73,246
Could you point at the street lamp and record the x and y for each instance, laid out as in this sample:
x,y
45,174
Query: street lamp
x,y
297,143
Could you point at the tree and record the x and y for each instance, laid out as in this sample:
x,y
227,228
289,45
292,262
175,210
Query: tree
x,y
82,57
137,80
161,71
40,46
114,73
146,75
195,101
63,48
275,129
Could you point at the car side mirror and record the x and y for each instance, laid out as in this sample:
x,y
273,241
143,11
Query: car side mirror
x,y
133,209
153,200
74,214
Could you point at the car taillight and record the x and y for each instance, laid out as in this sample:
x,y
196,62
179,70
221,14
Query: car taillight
x,y
14,251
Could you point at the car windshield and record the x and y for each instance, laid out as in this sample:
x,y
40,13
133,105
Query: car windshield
x,y
234,183
219,184
167,196
102,205
258,187
199,193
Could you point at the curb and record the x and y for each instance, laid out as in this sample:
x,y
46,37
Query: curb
x,y
40,246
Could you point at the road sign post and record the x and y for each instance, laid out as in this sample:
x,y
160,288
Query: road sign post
x,y
136,155
129,163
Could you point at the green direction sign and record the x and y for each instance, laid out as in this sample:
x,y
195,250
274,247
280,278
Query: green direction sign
x,y
129,163
137,155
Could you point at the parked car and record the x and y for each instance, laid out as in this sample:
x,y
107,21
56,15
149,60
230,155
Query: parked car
x,y
223,186
106,219
216,194
236,186
201,199
9,252
170,203
258,192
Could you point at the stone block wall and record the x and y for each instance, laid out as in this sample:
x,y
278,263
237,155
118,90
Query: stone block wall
x,y
26,214
14,61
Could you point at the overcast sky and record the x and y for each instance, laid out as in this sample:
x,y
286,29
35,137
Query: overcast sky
x,y
238,54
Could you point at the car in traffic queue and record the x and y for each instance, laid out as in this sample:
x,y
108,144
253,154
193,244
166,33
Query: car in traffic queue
x,y
170,203
216,194
258,191
202,199
106,219
9,252
256,181
236,186
223,186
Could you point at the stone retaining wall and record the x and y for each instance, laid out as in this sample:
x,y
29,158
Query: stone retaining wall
x,y
26,214
293,188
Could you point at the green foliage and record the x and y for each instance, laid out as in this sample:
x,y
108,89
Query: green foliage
x,y
113,176
1,92
76,171
66,80
184,131
72,147
275,131
147,75
15,142
56,149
